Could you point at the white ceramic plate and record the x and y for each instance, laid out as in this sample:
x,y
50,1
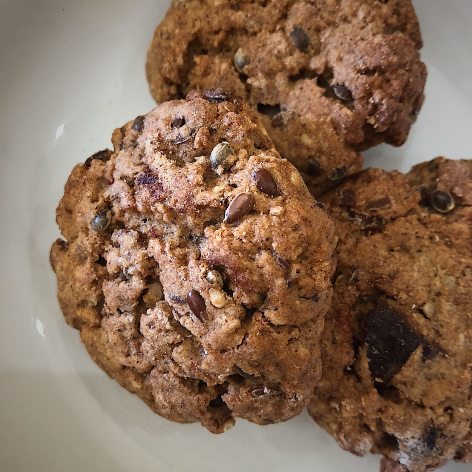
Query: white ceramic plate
x,y
70,72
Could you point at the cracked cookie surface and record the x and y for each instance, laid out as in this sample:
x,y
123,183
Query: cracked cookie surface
x,y
197,266
327,78
396,346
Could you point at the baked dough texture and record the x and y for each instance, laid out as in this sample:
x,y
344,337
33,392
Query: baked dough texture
x,y
197,266
396,347
327,78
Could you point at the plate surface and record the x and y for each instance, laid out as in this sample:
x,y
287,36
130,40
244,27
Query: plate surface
x,y
71,72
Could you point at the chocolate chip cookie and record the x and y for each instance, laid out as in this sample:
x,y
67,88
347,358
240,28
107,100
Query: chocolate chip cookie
x,y
396,347
197,266
327,78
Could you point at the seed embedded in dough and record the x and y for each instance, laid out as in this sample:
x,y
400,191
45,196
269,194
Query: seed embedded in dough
x,y
214,277
101,221
429,310
222,158
240,59
217,298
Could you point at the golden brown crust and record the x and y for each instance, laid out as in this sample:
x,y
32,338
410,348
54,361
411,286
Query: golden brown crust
x,y
396,343
204,310
327,77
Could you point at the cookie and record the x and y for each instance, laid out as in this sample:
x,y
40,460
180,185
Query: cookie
x,y
327,78
197,266
396,347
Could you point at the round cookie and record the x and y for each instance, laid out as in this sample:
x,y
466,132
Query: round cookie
x,y
197,265
396,347
327,78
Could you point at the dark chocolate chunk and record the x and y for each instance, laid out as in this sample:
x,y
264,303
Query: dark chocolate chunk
x,y
442,201
267,421
178,122
342,92
348,198
102,261
266,183
138,124
429,352
197,304
97,156
313,167
380,203
430,440
300,38
391,341
240,206
278,121
100,154
337,174
319,205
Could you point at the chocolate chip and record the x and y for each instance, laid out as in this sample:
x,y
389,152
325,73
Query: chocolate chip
x,y
391,341
97,156
100,154
240,206
243,374
217,402
442,201
278,121
313,167
138,124
240,59
319,205
101,221
178,122
102,261
267,421
222,158
374,226
266,183
300,39
337,174
197,304
430,440
380,203
342,92
348,198
429,352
